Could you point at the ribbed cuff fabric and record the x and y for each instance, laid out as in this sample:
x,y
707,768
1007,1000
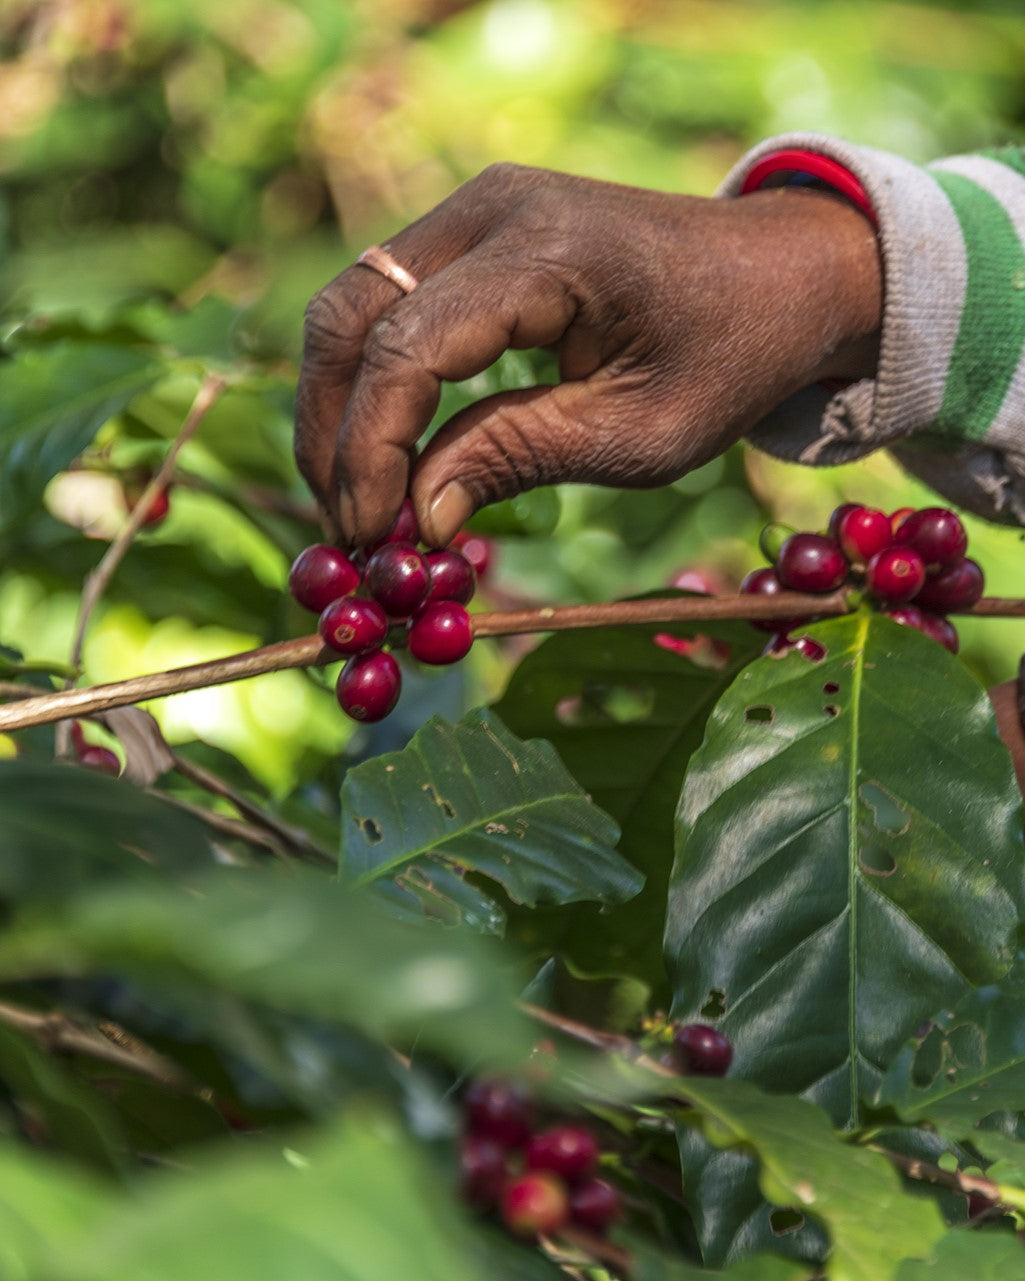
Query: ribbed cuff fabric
x,y
949,395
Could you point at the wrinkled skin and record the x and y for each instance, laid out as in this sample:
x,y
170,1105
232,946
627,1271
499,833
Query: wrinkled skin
x,y
678,322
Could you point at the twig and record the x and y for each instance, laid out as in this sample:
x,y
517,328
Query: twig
x,y
226,825
97,581
59,1035
295,840
969,1184
309,651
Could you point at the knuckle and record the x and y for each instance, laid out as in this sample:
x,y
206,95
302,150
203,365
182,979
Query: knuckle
x,y
392,340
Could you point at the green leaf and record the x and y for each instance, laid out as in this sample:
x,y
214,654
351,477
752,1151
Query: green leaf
x,y
982,1256
804,1165
290,940
70,1114
970,1063
625,715
650,1264
849,858
43,1205
353,1203
55,400
66,827
473,797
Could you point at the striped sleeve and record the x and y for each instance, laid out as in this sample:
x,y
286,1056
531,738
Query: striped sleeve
x,y
949,394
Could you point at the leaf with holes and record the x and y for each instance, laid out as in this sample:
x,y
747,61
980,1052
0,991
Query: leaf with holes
x,y
55,400
625,707
969,1063
849,858
473,797
807,1170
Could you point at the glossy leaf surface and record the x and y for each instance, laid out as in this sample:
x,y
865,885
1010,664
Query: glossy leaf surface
x,y
849,858
625,712
474,797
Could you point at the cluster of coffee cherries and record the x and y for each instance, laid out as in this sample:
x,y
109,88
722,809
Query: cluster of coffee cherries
x,y
539,1181
92,755
912,564
360,597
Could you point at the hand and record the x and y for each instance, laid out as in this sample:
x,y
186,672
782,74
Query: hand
x,y
678,322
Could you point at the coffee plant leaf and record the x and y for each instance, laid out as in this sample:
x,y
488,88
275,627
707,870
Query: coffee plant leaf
x,y
45,1204
70,1114
1005,1156
55,400
652,1264
66,828
292,941
849,859
806,1167
355,1200
472,797
962,1253
967,1063
625,713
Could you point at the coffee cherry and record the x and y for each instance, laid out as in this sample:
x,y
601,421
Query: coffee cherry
x,y
861,532
693,579
569,1151
100,758
397,578
479,551
368,686
452,576
321,574
595,1205
895,574
499,1110
772,538
482,1170
765,582
701,1050
782,644
404,529
353,625
907,615
955,587
941,630
898,518
441,633
811,563
535,1204
837,516
937,534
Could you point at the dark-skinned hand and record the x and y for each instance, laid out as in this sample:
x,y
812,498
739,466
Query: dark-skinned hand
x,y
678,322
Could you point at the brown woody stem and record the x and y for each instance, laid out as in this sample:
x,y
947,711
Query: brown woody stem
x,y
310,651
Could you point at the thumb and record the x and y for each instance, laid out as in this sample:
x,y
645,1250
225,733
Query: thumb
x,y
515,441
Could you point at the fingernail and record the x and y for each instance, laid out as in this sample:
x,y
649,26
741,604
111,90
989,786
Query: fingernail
x,y
447,514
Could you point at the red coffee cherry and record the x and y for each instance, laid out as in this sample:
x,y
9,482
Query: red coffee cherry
x,y
397,578
895,574
595,1205
937,534
941,630
452,576
765,582
477,549
353,625
701,1050
404,529
811,563
861,532
569,1151
368,686
441,633
535,1204
837,516
482,1170
955,587
100,758
499,1110
782,644
898,517
321,574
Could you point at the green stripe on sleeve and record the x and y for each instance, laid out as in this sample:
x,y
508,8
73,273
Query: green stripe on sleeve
x,y
1012,157
992,329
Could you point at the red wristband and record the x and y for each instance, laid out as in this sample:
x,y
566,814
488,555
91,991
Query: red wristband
x,y
815,166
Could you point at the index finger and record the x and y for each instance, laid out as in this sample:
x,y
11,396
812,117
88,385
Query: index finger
x,y
342,314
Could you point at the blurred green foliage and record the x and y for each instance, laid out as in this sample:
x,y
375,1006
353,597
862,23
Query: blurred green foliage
x,y
186,174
